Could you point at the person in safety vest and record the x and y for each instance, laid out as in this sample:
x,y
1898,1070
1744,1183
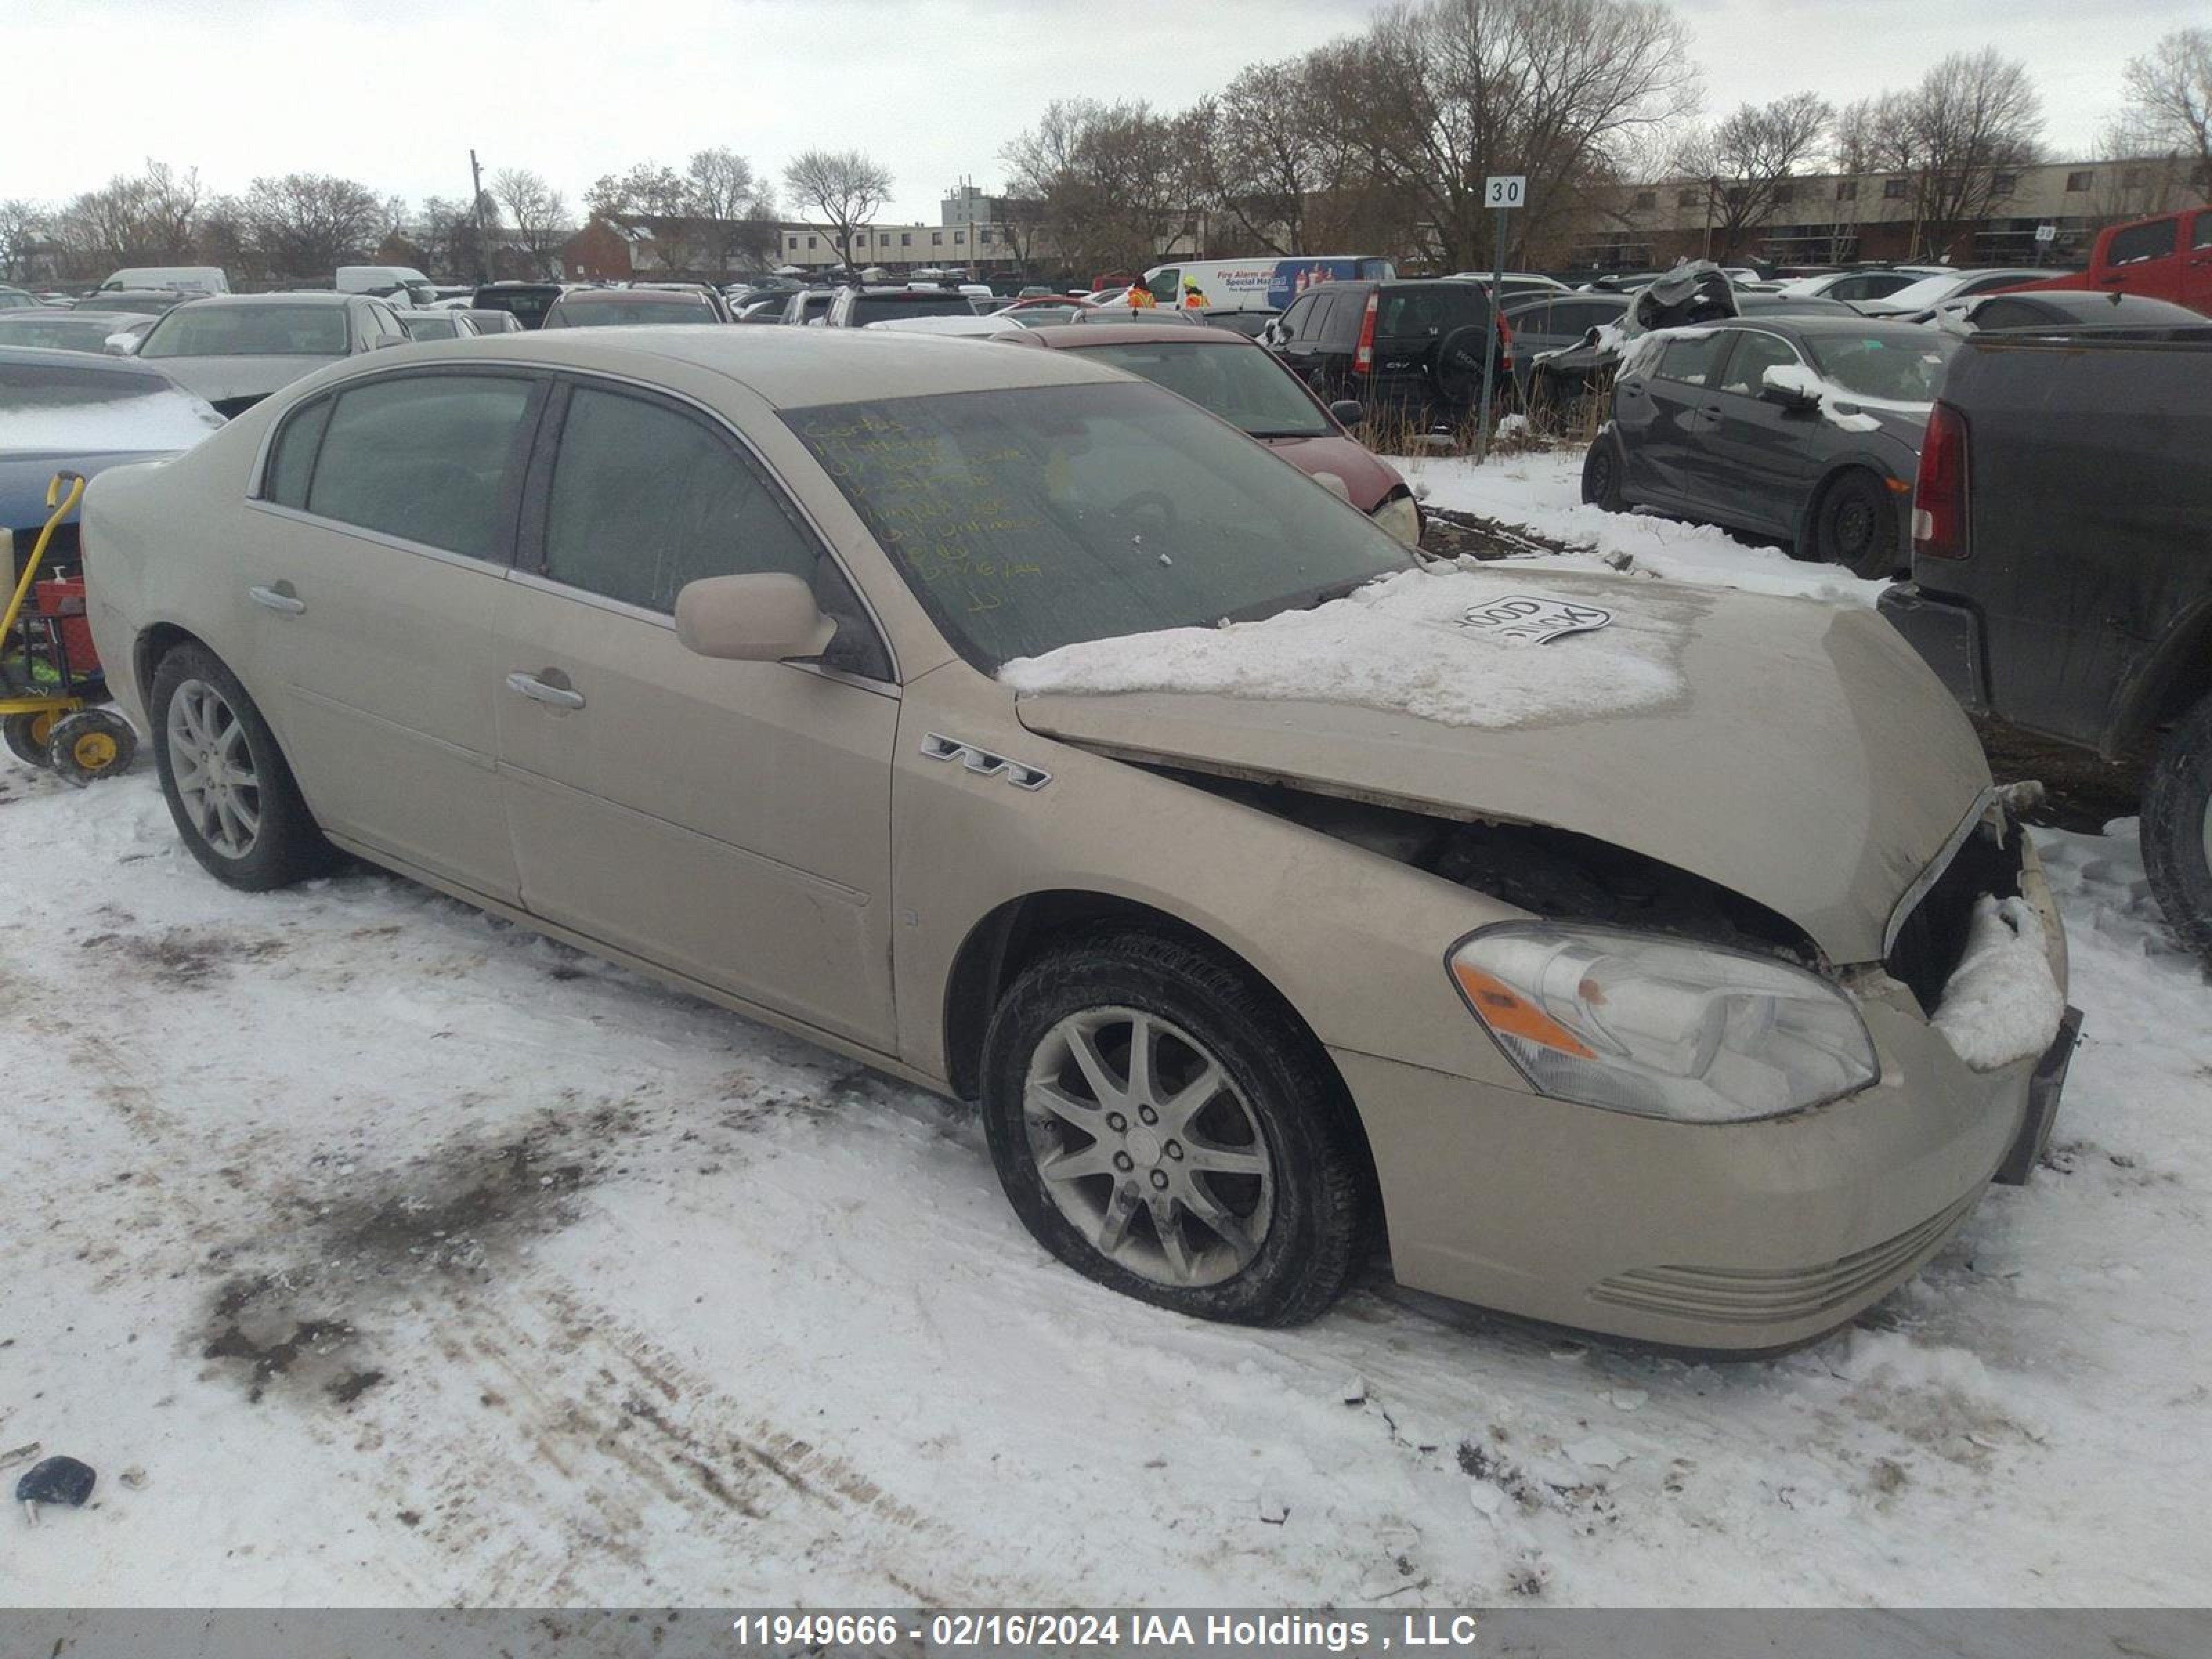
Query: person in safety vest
x,y
1140,294
1193,298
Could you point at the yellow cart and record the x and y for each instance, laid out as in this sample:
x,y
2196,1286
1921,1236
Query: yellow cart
x,y
47,711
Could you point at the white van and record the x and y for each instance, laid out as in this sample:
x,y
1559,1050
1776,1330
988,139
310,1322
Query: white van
x,y
1268,284
178,279
403,285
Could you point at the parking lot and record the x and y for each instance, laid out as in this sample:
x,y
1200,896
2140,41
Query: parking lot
x,y
365,1243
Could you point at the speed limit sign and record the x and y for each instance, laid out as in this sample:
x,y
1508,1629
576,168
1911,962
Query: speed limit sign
x,y
1505,190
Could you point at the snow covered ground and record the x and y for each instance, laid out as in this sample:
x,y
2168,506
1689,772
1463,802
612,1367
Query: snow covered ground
x,y
406,1257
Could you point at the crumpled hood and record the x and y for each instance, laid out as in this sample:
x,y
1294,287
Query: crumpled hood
x,y
1799,753
219,380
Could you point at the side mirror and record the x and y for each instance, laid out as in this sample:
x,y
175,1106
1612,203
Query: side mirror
x,y
1783,385
766,616
1348,412
123,345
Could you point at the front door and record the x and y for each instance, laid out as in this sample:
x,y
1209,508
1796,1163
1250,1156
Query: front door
x,y
1754,466
372,571
728,820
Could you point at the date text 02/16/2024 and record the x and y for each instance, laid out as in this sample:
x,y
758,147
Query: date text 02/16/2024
x,y
1277,1633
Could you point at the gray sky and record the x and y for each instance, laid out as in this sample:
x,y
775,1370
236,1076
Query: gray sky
x,y
394,92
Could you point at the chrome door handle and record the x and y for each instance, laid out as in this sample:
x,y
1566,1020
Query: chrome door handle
x,y
269,599
557,696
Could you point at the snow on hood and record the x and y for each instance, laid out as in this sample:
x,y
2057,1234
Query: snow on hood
x,y
2002,1003
161,421
1395,645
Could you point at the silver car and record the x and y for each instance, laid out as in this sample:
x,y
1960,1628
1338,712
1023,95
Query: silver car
x,y
1628,955
234,349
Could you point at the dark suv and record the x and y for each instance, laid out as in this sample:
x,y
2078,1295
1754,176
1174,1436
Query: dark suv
x,y
1400,347
526,302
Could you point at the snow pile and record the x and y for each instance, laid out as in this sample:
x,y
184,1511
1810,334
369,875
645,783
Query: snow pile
x,y
1393,646
161,421
2002,1004
1541,493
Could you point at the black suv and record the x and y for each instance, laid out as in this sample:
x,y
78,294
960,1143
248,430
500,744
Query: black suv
x,y
1408,348
527,302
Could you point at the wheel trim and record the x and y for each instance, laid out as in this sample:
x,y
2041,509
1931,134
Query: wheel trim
x,y
94,752
212,766
1148,1148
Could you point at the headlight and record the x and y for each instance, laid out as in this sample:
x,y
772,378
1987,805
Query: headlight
x,y
1643,1024
1402,516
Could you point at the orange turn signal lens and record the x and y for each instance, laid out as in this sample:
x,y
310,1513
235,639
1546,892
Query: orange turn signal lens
x,y
1505,1010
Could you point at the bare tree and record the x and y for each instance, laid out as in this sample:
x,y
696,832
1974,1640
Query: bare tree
x,y
22,223
844,186
1746,162
1959,139
305,224
538,212
735,206
1268,151
2170,97
1112,182
1459,89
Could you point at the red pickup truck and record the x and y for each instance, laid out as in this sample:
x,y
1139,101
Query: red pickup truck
x,y
2167,257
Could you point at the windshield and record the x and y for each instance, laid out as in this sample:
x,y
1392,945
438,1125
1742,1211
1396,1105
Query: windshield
x,y
602,314
1885,367
1246,388
875,308
1031,519
232,331
55,408
1433,308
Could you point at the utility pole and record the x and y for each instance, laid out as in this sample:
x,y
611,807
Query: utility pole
x,y
475,212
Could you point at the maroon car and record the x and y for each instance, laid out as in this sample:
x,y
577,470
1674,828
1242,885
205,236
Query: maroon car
x,y
1246,384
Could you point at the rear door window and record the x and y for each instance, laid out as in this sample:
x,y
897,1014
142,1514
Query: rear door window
x,y
293,459
1692,359
428,458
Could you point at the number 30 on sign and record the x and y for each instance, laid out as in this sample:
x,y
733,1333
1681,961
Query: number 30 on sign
x,y
1505,190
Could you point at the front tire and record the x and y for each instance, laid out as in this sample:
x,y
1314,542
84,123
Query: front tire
x,y
2176,831
228,789
1163,1127
1856,526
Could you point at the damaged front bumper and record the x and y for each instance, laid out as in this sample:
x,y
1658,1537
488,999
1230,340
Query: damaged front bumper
x,y
1741,1238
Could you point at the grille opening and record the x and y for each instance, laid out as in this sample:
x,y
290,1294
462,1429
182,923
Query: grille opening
x,y
1933,938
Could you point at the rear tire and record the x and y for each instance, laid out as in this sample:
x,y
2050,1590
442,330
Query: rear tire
x,y
241,816
1856,526
1602,470
2175,830
1271,1150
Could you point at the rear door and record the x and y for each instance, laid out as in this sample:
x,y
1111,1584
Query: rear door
x,y
1753,462
1662,409
373,567
729,820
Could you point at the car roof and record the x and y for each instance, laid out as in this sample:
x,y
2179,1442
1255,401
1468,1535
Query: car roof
x,y
1821,326
1078,336
669,296
320,297
790,368
88,361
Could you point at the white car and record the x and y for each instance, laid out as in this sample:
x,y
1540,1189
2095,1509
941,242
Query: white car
x,y
1932,291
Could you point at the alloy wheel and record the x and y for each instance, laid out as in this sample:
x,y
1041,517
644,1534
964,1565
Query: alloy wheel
x,y
1147,1147
213,767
